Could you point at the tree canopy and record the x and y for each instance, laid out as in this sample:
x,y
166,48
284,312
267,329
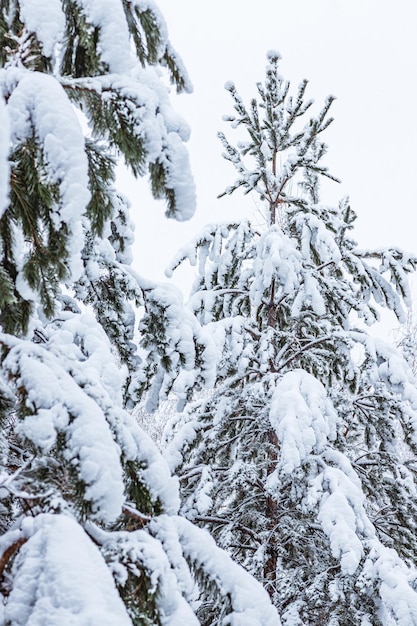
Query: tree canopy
x,y
301,460
90,531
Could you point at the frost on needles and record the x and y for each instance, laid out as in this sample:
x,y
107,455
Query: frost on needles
x,y
301,460
89,524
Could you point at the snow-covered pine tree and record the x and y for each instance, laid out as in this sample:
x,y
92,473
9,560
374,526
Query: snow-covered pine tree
x,y
302,460
406,341
89,526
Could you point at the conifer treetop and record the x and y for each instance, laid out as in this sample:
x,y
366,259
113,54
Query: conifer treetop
x,y
279,148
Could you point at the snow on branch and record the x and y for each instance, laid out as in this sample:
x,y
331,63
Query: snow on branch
x,y
60,577
134,113
4,153
113,33
38,106
57,405
303,418
46,19
250,603
152,554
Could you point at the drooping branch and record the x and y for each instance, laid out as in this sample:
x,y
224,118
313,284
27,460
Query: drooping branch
x,y
9,553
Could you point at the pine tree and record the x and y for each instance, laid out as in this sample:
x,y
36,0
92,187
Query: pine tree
x,y
89,526
406,341
301,461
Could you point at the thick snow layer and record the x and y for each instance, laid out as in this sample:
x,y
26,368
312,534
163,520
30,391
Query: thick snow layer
x,y
138,549
60,578
113,43
144,100
393,370
164,132
39,104
337,492
398,599
173,453
46,19
178,177
315,236
277,258
151,77
102,380
163,528
341,511
184,343
75,387
251,605
155,474
4,153
58,403
302,416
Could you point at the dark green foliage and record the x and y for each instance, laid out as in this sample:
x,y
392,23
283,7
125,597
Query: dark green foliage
x,y
16,42
115,111
145,28
136,493
101,177
160,189
112,114
4,39
32,202
80,56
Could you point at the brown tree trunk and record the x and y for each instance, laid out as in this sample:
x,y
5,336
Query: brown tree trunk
x,y
271,510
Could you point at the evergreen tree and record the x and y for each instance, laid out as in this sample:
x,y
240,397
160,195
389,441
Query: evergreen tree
x,y
406,341
89,526
301,461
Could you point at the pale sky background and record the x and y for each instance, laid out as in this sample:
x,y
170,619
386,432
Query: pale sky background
x,y
362,51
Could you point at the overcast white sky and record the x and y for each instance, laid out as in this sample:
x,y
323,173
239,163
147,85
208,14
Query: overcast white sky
x,y
362,51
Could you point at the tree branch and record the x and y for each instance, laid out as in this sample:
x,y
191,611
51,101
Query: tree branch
x,y
225,522
9,552
301,350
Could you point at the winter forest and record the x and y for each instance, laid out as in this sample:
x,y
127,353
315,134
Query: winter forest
x,y
281,489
